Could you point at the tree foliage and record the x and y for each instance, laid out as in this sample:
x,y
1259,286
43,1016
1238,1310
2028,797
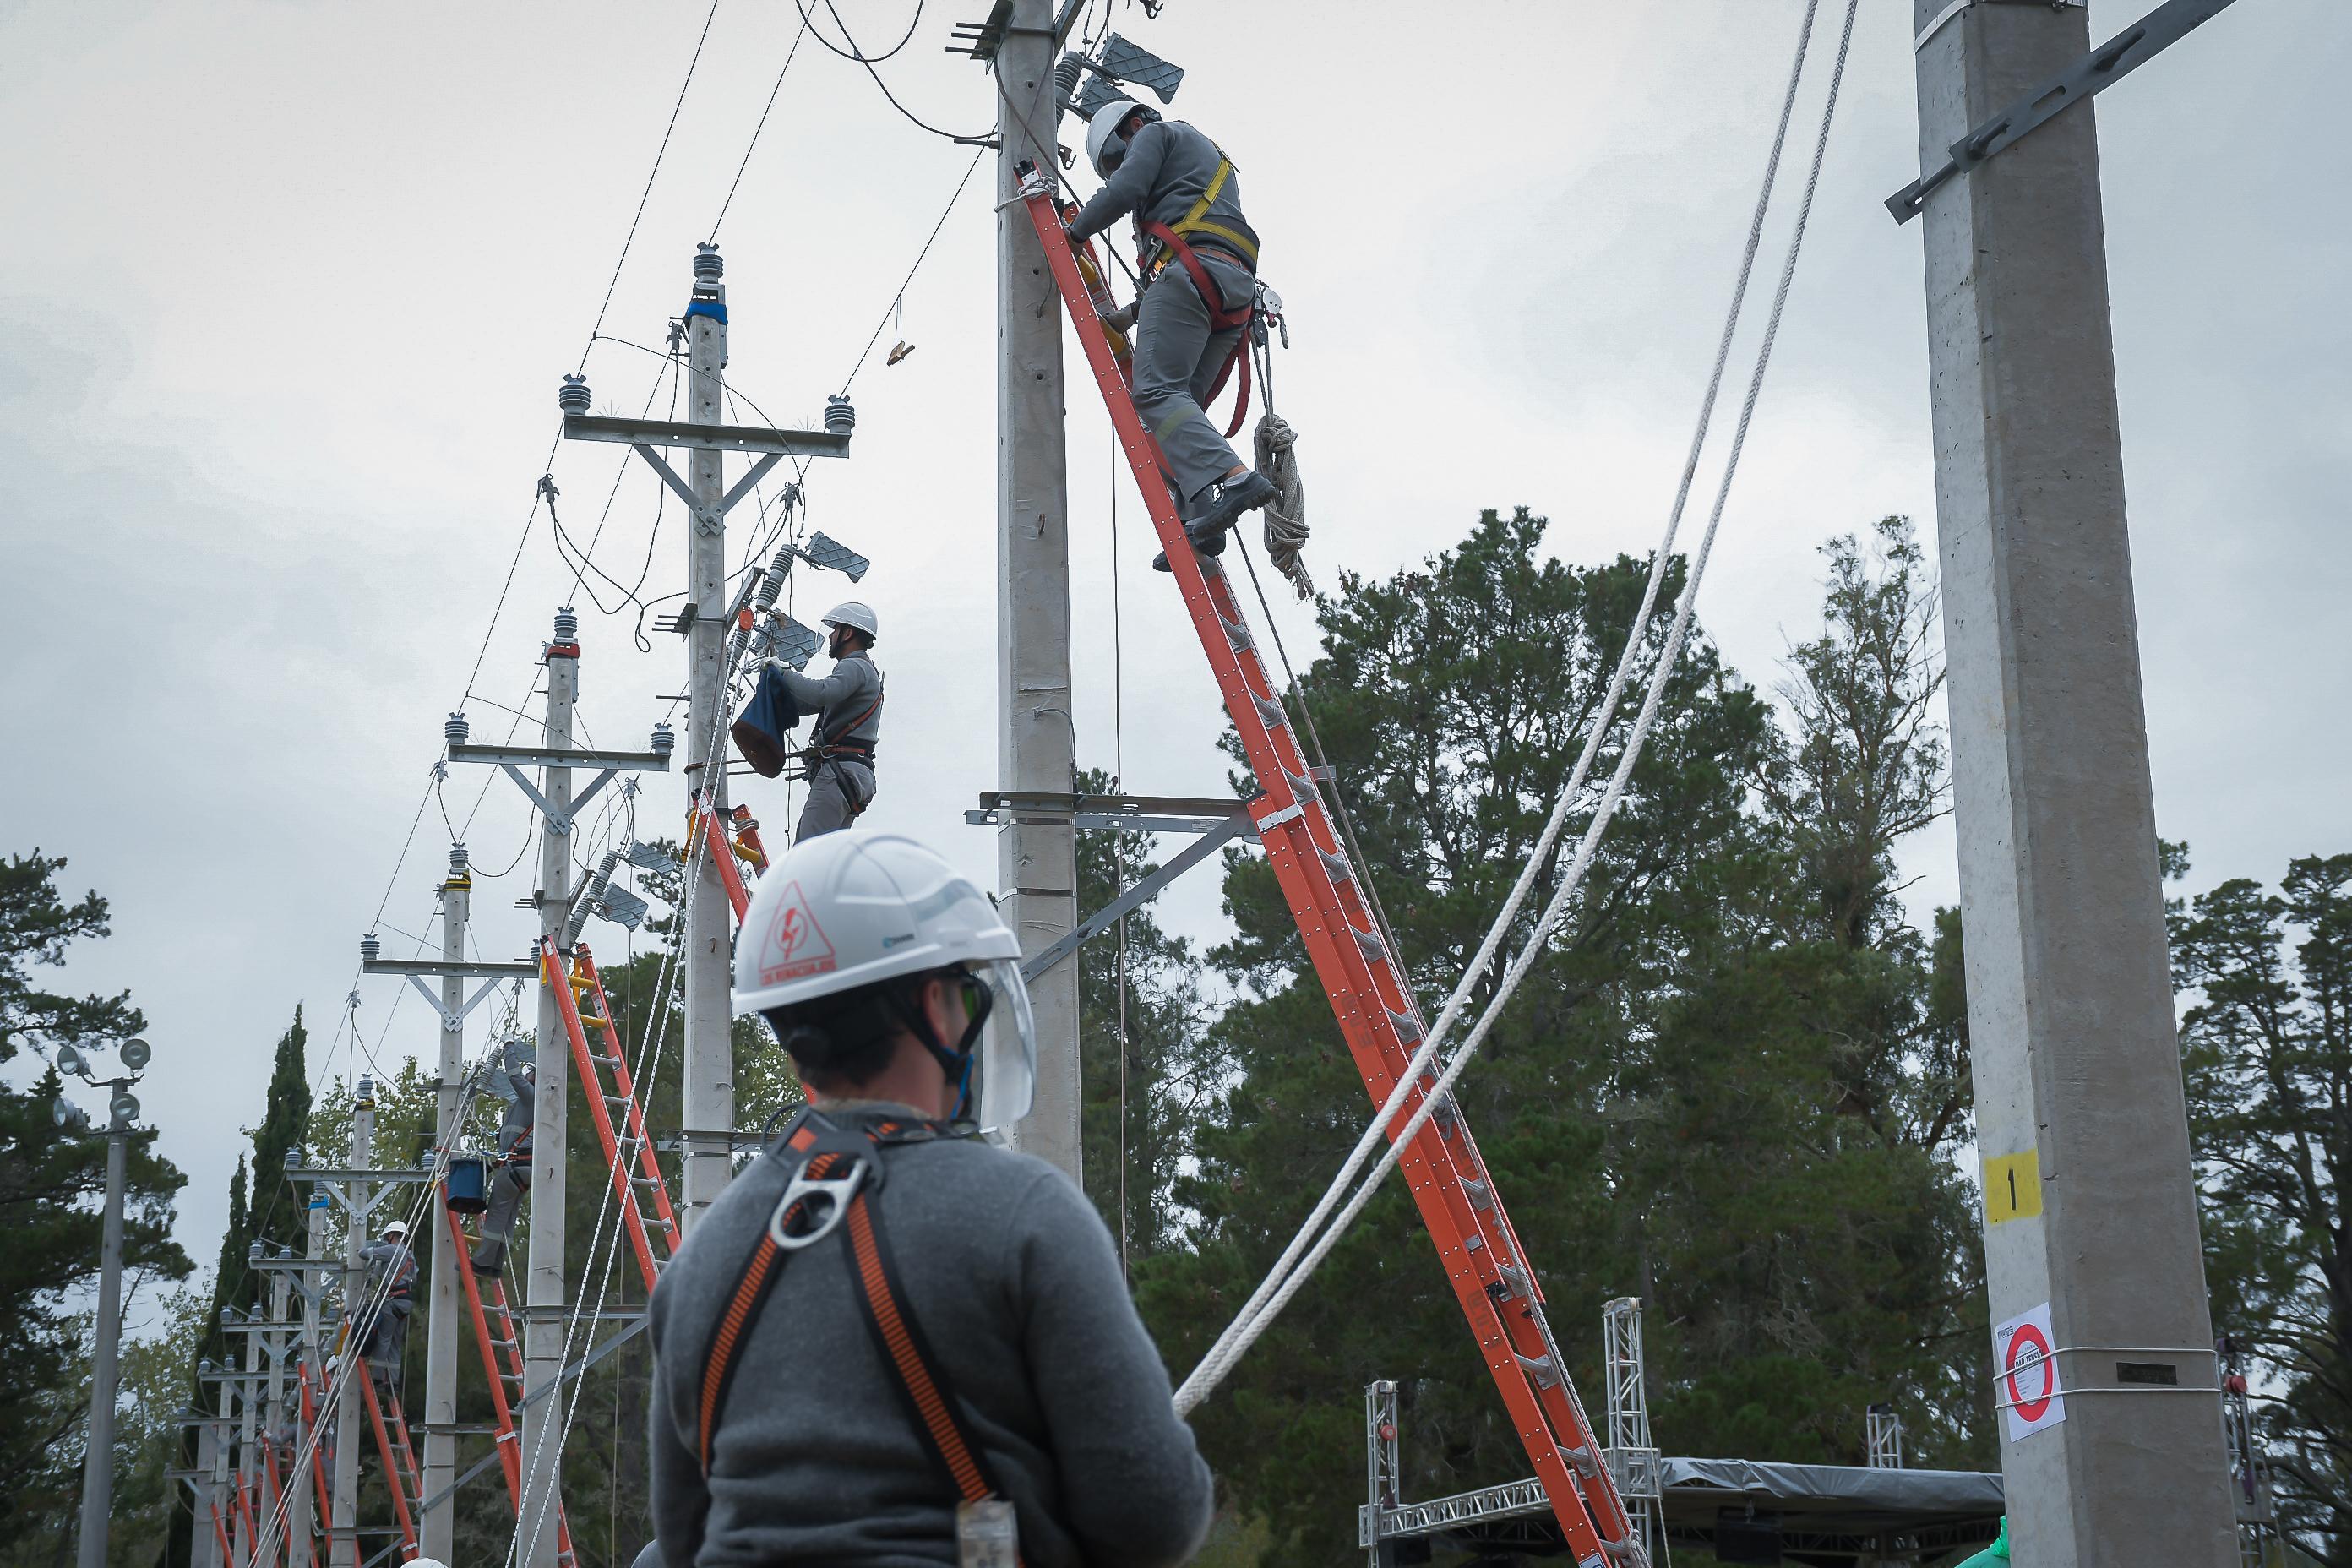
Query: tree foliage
x,y
2267,1045
1730,1085
52,1190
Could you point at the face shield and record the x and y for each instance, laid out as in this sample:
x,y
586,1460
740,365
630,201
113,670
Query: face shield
x,y
1004,1061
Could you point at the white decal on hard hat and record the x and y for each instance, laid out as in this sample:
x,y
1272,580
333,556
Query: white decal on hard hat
x,y
796,945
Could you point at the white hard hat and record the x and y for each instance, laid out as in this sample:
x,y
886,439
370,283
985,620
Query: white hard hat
x,y
1102,130
848,908
398,1226
856,616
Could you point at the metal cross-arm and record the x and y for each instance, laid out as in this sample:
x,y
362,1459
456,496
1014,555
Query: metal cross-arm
x,y
2079,81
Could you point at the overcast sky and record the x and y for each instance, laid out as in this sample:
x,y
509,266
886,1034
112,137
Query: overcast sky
x,y
286,291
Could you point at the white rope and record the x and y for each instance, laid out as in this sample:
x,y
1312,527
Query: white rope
x,y
1286,1279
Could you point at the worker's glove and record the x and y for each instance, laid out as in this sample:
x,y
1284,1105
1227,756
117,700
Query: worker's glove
x,y
1121,319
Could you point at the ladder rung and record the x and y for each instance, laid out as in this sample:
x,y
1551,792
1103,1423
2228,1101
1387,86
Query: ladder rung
x,y
1371,943
611,1061
1237,635
619,1098
653,1222
1270,712
1407,1027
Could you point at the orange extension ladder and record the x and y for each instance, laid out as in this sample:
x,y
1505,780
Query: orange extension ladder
x,y
1481,1253
501,1348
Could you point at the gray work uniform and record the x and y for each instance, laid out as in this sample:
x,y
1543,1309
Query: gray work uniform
x,y
387,1331
848,714
1013,1282
512,1179
1168,166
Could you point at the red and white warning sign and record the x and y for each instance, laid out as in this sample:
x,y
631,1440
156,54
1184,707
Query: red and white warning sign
x,y
793,946
2027,1388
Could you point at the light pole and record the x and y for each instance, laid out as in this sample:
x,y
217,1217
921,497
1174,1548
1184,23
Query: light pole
x,y
98,1461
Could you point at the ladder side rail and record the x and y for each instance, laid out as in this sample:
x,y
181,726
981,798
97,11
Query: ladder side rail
x,y
243,1512
504,1313
220,1533
1334,884
509,1460
649,1164
593,1086
721,850
392,1480
1315,897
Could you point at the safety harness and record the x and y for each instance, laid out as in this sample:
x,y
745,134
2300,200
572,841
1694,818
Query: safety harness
x,y
826,750
1171,246
831,1172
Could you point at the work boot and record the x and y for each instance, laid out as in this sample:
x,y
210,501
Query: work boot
x,y
1227,502
490,1256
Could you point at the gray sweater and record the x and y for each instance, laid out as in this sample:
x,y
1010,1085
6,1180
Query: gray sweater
x,y
848,690
1167,165
1015,1283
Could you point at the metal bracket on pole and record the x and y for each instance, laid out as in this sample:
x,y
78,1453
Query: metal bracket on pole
x,y
514,759
1191,855
1109,812
2081,80
418,969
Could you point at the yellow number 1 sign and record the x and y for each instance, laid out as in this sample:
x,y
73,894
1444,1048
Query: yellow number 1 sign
x,y
2013,1186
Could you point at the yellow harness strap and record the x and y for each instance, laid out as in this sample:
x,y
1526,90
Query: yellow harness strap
x,y
1195,221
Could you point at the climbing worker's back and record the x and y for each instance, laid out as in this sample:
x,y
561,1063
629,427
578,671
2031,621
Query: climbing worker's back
x,y
945,1324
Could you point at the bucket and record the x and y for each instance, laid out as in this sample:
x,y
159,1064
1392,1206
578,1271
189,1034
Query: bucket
x,y
467,1189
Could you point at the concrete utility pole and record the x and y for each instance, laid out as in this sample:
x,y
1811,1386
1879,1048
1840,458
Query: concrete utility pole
x,y
248,1446
344,1398
708,1112
301,1510
2091,1210
98,1461
436,1531
1037,863
273,1410
206,1551
542,1422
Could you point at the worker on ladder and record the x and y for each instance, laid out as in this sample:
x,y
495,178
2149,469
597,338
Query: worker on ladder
x,y
848,706
1199,258
515,1080
891,1340
390,1277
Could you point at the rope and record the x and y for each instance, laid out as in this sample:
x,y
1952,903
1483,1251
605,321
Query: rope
x,y
1291,1273
1285,516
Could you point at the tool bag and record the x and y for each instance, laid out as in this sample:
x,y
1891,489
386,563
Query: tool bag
x,y
759,732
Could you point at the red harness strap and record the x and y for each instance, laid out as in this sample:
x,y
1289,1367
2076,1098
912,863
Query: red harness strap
x,y
1221,319
923,1386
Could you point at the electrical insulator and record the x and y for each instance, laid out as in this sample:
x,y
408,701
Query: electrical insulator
x,y
455,731
573,398
840,418
665,741
567,625
370,947
707,267
457,860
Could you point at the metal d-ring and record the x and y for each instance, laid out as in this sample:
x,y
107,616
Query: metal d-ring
x,y
837,1191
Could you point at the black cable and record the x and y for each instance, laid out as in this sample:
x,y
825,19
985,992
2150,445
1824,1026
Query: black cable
x,y
944,212
585,562
646,194
790,56
854,52
860,57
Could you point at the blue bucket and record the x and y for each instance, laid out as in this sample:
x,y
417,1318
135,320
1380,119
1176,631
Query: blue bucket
x,y
468,1189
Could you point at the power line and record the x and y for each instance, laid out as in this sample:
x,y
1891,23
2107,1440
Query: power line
x,y
854,52
911,117
920,255
791,55
646,194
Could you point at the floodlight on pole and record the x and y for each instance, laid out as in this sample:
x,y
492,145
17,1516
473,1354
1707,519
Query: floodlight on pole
x,y
136,1054
70,1060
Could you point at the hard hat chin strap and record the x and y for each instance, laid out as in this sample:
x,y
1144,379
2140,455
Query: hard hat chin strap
x,y
956,1062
